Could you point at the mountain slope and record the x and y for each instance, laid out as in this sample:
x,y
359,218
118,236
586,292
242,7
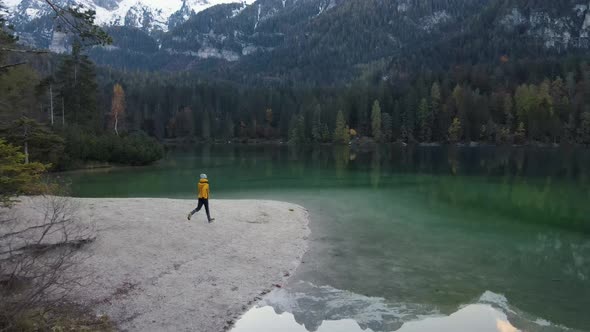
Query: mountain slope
x,y
30,17
331,41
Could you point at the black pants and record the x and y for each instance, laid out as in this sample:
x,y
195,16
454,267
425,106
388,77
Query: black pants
x,y
205,202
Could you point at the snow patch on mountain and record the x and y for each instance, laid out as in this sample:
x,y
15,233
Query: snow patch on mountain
x,y
513,19
560,32
403,6
145,14
430,22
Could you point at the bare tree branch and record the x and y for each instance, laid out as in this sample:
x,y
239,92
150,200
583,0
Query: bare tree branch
x,y
4,67
22,50
38,250
60,13
80,21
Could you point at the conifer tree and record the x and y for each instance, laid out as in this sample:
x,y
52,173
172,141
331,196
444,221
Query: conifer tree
x,y
37,142
520,134
301,130
424,118
16,176
316,129
206,126
326,137
341,130
376,121
584,131
435,107
387,127
455,131
78,89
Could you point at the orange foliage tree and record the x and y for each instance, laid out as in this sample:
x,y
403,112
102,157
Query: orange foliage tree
x,y
117,107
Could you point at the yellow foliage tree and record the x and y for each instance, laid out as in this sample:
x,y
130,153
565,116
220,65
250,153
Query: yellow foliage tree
x,y
117,107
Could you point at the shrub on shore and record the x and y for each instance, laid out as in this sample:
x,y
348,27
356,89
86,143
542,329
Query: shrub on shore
x,y
134,149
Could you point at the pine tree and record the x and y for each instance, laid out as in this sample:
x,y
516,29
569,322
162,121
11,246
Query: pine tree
x,y
206,126
525,102
326,137
460,100
455,131
301,131
18,95
229,126
507,108
584,131
341,132
376,121
16,176
268,118
435,107
316,129
37,142
520,134
424,118
78,89
293,136
387,127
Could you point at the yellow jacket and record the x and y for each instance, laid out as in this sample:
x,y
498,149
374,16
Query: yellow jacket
x,y
203,188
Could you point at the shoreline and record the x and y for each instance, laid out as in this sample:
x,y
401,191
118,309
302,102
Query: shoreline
x,y
149,269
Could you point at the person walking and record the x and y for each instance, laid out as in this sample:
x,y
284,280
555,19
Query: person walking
x,y
203,188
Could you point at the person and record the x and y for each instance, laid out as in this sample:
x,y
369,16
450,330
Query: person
x,y
203,188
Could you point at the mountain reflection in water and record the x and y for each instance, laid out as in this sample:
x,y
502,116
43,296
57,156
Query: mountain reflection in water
x,y
325,309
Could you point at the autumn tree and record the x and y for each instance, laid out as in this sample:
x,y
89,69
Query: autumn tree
x,y
118,108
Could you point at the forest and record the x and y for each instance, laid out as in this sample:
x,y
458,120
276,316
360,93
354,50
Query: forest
x,y
54,115
507,103
65,110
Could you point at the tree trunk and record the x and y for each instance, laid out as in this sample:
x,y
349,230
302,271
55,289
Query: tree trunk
x,y
116,124
26,152
51,102
26,141
63,113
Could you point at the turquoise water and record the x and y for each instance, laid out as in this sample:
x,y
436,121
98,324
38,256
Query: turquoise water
x,y
405,235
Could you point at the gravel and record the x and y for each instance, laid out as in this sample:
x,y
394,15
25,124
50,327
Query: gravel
x,y
150,269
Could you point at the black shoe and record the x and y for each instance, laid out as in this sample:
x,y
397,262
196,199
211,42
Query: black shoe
x,y
189,216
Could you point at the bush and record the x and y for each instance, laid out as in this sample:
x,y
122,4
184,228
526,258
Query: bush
x,y
134,149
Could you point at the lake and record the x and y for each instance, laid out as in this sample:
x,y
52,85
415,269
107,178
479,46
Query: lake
x,y
408,239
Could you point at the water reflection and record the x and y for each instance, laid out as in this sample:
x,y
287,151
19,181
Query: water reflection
x,y
436,226
477,317
540,186
341,311
266,319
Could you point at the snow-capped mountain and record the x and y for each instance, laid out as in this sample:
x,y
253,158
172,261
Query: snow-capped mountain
x,y
325,40
148,15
